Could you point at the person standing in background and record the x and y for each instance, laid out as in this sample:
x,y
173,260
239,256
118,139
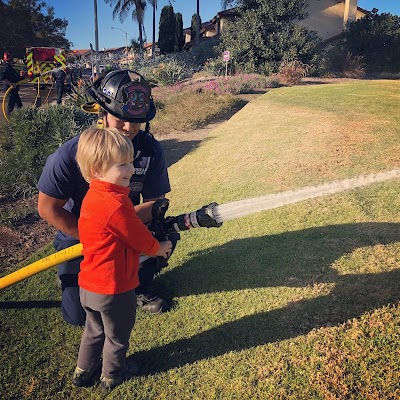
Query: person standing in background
x,y
58,76
10,77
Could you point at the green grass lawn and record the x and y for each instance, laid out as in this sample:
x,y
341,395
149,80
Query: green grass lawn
x,y
300,302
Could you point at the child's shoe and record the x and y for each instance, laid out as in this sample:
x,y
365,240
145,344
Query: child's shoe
x,y
111,383
132,369
83,378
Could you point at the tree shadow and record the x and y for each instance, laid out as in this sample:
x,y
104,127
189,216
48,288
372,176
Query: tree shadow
x,y
352,295
294,259
24,305
177,149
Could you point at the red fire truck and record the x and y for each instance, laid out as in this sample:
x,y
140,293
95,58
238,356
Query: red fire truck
x,y
40,60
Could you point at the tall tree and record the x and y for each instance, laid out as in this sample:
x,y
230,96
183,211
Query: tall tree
x,y
30,23
193,26
179,38
122,8
198,24
166,33
153,3
265,35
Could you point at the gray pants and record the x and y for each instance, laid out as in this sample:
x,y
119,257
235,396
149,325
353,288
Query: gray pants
x,y
109,322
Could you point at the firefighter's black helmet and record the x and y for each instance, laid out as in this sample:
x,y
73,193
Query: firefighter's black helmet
x,y
125,94
57,64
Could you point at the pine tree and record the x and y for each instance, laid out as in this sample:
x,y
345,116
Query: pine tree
x,y
193,26
179,39
166,33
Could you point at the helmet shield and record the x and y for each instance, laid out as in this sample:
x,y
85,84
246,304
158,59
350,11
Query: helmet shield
x,y
7,56
125,94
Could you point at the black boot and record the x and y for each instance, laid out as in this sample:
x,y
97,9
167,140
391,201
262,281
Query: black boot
x,y
151,303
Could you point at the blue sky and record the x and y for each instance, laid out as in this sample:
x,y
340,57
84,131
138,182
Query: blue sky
x,y
80,17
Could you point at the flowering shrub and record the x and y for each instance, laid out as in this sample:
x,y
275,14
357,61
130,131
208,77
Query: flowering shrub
x,y
237,84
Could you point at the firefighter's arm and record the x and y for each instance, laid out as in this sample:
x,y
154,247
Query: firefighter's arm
x,y
144,210
9,83
52,211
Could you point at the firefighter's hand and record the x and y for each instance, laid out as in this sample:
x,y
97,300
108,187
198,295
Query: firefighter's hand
x,y
165,249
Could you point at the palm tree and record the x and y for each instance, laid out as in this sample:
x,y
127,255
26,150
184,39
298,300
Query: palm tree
x,y
122,8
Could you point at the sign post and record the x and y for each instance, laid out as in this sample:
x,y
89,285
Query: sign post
x,y
226,57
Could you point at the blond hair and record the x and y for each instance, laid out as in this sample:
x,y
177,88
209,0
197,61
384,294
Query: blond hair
x,y
99,149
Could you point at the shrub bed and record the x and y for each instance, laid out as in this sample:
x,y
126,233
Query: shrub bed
x,y
28,139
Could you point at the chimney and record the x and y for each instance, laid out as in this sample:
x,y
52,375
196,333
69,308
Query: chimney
x,y
350,12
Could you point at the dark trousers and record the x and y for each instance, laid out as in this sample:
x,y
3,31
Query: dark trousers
x,y
109,323
13,100
71,308
152,266
60,91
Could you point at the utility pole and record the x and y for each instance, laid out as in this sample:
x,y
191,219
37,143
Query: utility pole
x,y
153,46
96,38
126,42
198,23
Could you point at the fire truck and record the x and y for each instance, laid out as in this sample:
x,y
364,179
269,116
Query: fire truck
x,y
40,60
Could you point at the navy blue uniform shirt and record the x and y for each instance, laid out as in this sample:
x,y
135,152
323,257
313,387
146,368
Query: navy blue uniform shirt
x,y
61,177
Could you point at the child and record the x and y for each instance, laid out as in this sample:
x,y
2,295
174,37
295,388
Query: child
x,y
113,237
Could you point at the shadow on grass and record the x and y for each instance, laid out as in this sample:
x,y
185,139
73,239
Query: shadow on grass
x,y
291,259
24,305
177,149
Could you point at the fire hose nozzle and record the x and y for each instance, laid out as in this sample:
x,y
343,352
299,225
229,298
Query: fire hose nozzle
x,y
205,217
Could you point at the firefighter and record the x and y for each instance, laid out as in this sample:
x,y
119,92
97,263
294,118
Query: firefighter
x,y
58,75
10,77
125,100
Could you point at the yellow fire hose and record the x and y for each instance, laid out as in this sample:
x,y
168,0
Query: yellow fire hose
x,y
50,261
38,100
38,266
7,93
48,94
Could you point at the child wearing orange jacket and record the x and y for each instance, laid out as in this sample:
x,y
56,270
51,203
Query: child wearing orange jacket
x,y
113,237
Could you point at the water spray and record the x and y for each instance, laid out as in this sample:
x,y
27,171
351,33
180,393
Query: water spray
x,y
208,216
237,209
213,215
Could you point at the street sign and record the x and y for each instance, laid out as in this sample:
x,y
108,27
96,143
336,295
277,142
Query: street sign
x,y
227,55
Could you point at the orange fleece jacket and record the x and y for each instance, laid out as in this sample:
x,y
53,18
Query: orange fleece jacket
x,y
113,237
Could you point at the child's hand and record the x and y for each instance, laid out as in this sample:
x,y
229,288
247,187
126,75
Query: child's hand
x,y
165,249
